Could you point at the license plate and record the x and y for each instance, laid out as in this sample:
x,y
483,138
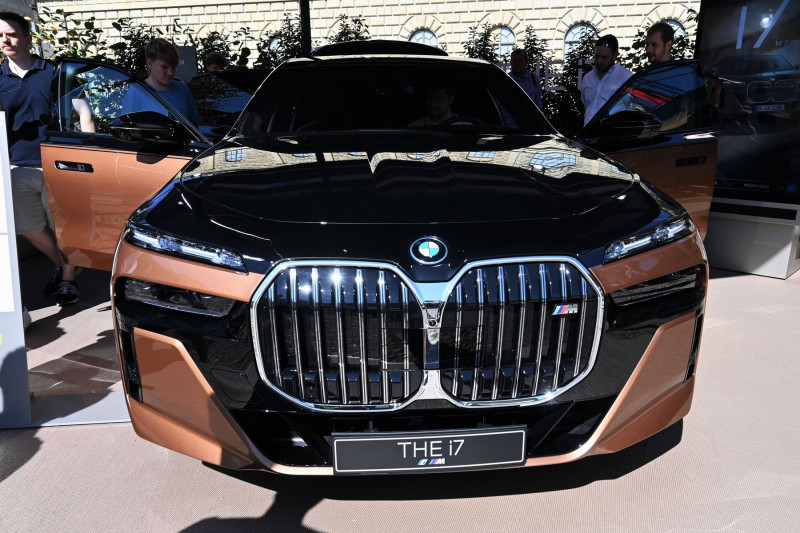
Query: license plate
x,y
769,107
355,453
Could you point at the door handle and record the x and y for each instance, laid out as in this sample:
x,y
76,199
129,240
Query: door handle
x,y
686,161
74,167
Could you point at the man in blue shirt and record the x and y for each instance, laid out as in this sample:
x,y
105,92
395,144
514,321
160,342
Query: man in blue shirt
x,y
529,81
162,62
25,97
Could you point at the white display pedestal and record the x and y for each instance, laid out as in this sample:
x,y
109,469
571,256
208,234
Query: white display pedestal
x,y
17,407
761,238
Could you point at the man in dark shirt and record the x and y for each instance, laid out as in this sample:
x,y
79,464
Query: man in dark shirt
x,y
25,97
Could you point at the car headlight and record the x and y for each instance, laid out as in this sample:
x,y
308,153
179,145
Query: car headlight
x,y
174,298
160,242
652,238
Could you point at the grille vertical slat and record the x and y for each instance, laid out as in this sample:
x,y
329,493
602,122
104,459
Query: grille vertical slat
x,y
476,375
384,340
582,325
362,339
562,270
457,352
295,325
406,342
274,330
542,319
523,304
501,322
340,346
323,395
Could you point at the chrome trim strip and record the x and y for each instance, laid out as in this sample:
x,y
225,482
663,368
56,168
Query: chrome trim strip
x,y
382,310
479,336
362,337
340,347
542,321
501,322
296,334
406,355
561,326
273,326
584,301
457,352
523,303
428,389
323,386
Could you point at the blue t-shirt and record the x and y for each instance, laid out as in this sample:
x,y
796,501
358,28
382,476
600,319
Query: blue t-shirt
x,y
26,102
531,84
178,94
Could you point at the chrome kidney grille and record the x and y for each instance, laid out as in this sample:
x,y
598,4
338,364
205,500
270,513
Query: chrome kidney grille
x,y
340,335
354,336
517,331
765,91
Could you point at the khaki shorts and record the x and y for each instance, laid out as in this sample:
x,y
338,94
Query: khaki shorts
x,y
31,210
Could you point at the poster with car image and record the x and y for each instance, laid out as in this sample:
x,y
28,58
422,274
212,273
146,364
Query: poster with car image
x,y
750,51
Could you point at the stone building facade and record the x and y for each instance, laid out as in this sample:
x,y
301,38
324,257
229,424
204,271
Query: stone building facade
x,y
19,6
442,22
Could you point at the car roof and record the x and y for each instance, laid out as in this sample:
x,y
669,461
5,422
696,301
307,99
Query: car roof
x,y
377,47
372,58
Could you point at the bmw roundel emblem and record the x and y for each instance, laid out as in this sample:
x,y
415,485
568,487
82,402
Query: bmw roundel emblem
x,y
429,251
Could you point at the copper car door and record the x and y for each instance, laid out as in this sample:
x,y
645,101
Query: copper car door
x,y
657,125
94,180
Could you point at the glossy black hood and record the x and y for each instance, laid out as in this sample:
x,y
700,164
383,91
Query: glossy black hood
x,y
546,199
547,178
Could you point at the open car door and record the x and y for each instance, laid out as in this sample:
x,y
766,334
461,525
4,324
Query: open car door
x,y
658,124
96,174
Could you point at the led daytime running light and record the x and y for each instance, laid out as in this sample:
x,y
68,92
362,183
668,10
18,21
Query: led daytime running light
x,y
660,235
164,243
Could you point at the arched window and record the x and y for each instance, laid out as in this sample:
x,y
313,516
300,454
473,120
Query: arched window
x,y
677,27
424,36
505,39
575,34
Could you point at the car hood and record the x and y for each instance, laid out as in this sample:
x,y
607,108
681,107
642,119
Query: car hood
x,y
531,178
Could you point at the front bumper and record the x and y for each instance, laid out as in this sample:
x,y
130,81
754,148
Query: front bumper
x,y
199,394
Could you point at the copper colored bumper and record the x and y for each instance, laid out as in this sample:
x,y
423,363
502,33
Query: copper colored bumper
x,y
181,412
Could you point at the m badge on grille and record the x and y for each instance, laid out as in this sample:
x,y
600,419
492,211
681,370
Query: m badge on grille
x,y
569,309
428,251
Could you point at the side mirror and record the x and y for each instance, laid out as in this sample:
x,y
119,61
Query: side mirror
x,y
629,125
149,127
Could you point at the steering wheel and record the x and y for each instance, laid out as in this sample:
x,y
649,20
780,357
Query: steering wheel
x,y
461,120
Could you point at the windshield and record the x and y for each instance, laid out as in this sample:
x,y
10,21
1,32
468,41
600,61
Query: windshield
x,y
752,64
384,94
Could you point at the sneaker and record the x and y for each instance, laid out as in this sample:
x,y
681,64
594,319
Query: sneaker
x,y
53,286
26,318
68,293
51,289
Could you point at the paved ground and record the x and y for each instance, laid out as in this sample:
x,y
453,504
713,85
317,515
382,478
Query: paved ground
x,y
729,466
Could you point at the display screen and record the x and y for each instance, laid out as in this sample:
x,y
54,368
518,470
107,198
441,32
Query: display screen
x,y
750,52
